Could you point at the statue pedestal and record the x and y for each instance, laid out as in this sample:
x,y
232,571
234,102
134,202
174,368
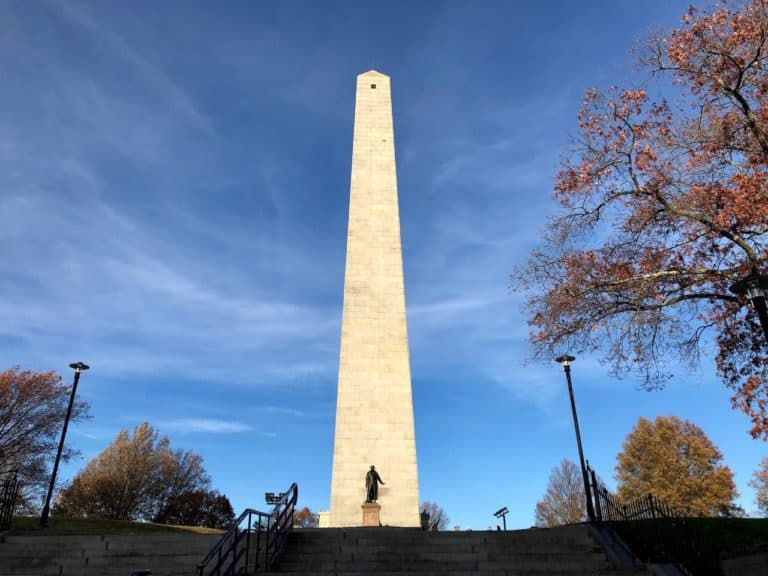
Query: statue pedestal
x,y
371,514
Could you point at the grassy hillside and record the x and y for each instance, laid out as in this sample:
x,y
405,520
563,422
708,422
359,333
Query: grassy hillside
x,y
92,526
730,534
665,540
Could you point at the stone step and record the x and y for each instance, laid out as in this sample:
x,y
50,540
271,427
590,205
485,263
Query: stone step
x,y
166,554
342,552
504,572
475,539
551,548
538,538
133,561
572,542
575,530
446,566
432,554
388,551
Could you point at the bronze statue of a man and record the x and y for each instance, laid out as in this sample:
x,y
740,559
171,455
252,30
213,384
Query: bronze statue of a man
x,y
372,481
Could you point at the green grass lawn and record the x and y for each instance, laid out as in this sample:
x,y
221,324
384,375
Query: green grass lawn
x,y
93,526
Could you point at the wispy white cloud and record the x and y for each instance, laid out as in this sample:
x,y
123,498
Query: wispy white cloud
x,y
149,74
282,410
173,206
86,433
137,305
204,425
95,271
443,310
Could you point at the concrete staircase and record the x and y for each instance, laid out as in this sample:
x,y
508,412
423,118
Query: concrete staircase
x,y
563,551
340,552
43,554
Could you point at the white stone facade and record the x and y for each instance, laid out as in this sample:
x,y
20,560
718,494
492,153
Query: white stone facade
x,y
374,411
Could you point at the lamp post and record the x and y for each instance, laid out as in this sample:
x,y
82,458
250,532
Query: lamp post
x,y
565,362
77,367
502,513
754,287
273,499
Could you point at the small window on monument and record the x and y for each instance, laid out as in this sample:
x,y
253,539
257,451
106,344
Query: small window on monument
x,y
373,85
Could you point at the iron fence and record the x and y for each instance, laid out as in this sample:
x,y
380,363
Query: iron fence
x,y
652,531
8,493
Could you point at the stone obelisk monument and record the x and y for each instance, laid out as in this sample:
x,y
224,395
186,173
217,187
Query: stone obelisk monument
x,y
374,406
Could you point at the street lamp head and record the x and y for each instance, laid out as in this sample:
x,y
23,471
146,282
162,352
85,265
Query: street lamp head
x,y
565,360
753,286
271,498
79,366
756,287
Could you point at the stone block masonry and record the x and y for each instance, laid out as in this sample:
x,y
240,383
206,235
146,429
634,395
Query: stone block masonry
x,y
374,406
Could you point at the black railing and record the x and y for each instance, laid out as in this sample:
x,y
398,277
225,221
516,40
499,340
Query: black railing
x,y
652,532
253,542
8,493
609,508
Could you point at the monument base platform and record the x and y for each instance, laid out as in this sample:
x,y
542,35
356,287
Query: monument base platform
x,y
371,514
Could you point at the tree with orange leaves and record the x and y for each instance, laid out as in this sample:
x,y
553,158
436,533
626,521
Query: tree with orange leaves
x,y
304,518
674,460
563,501
759,482
664,206
33,405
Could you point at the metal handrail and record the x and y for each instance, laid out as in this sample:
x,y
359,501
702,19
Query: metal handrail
x,y
672,540
8,493
281,525
254,540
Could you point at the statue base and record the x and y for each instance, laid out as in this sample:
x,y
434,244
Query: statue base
x,y
371,514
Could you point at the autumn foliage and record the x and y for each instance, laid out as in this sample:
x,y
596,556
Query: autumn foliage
x,y
759,482
33,405
564,501
675,461
664,205
137,477
304,518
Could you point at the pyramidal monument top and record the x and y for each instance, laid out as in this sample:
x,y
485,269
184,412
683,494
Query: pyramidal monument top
x,y
373,72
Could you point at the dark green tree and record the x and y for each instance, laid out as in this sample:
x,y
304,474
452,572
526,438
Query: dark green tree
x,y
205,508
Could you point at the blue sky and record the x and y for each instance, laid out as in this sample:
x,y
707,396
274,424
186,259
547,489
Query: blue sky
x,y
174,182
